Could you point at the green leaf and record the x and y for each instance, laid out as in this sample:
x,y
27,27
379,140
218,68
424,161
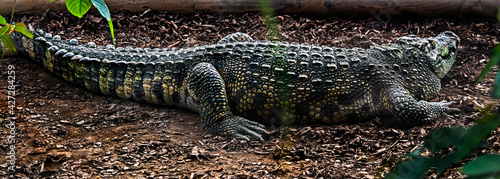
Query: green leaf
x,y
498,15
416,168
466,141
495,92
78,7
443,137
417,152
495,59
471,139
112,31
2,20
51,1
20,27
483,164
8,42
4,30
103,9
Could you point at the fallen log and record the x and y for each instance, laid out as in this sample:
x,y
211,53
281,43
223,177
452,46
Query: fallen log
x,y
307,7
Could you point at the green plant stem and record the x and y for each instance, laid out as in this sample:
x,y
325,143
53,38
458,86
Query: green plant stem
x,y
267,11
1,57
11,18
13,10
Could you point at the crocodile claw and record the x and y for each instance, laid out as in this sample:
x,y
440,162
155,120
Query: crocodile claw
x,y
241,128
445,105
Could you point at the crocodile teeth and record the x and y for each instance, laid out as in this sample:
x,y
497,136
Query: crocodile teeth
x,y
94,60
76,57
69,54
53,48
73,42
56,38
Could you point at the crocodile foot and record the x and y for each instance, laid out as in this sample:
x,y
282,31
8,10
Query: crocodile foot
x,y
443,107
437,109
241,128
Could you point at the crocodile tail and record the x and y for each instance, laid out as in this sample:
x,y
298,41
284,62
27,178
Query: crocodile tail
x,y
48,51
124,72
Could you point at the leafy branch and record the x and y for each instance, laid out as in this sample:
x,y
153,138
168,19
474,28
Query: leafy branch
x,y
6,29
76,7
465,142
80,7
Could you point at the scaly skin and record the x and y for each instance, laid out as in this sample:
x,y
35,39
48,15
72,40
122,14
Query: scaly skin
x,y
240,78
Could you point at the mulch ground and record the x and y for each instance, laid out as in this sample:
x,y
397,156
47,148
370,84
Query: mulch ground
x,y
66,131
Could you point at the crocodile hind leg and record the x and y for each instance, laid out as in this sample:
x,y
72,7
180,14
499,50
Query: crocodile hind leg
x,y
208,96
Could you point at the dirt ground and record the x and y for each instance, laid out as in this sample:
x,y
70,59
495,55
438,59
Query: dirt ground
x,y
66,131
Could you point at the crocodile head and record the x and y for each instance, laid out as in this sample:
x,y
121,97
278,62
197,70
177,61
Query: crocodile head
x,y
441,50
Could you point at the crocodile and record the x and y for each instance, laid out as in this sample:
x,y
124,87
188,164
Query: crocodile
x,y
239,83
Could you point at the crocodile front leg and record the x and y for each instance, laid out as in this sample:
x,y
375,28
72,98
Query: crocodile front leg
x,y
207,91
412,112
